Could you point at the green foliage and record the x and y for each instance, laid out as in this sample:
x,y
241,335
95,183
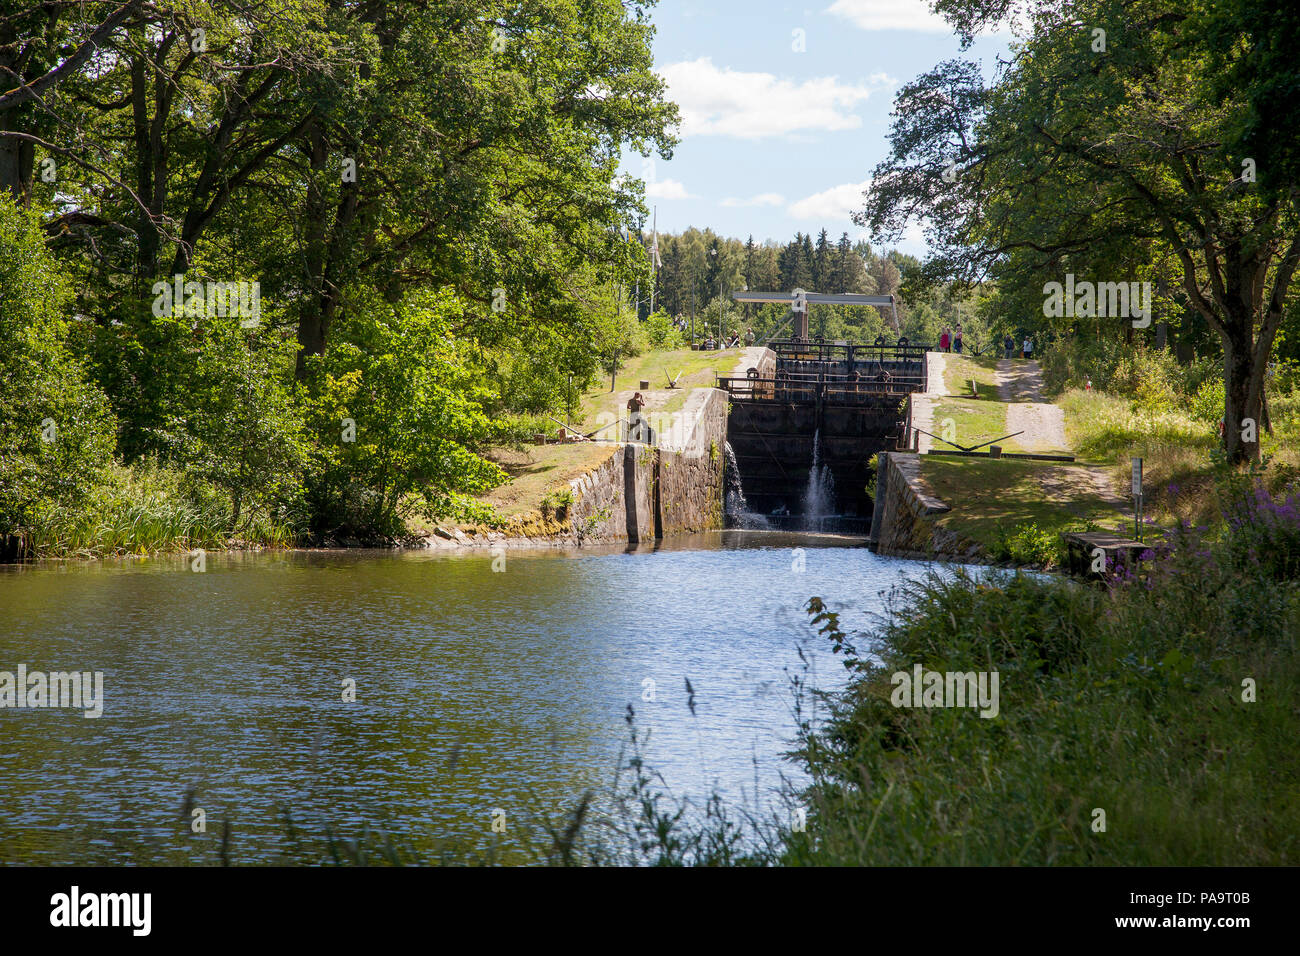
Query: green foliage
x,y
557,503
1207,403
247,428
1128,699
1074,161
661,333
56,433
395,374
1027,544
298,153
147,508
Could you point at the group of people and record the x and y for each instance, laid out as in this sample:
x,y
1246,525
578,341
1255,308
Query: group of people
x,y
950,341
1026,348
727,342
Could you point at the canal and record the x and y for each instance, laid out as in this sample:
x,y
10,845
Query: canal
x,y
480,694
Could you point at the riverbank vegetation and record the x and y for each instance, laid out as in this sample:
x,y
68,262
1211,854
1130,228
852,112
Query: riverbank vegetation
x,y
1164,702
1145,403
240,249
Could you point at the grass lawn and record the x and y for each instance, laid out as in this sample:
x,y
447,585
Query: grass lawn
x,y
537,470
959,369
974,421
698,369
991,496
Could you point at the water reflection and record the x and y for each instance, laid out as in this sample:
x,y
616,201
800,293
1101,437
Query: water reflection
x,y
475,690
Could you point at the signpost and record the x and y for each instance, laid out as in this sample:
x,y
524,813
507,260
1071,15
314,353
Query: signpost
x,y
1137,498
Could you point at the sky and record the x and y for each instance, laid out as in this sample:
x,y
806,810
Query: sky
x,y
780,128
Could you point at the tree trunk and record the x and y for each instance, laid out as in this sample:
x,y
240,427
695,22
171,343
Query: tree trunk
x,y
1243,381
17,159
147,250
326,245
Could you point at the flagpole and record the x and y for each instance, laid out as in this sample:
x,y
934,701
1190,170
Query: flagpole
x,y
654,259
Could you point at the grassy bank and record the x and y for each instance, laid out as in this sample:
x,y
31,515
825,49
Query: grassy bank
x,y
690,368
1177,446
974,421
959,370
147,509
1130,701
1018,509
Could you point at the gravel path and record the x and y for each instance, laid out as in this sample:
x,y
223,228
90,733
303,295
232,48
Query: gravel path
x,y
1020,385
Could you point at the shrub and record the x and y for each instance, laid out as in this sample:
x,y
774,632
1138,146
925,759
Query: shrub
x,y
398,418
661,333
1263,533
1208,402
1027,544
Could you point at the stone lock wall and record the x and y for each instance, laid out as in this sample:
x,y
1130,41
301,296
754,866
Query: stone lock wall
x,y
902,521
644,492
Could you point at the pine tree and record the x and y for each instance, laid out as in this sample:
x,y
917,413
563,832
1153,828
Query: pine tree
x,y
822,271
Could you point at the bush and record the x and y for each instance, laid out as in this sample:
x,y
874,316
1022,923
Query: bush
x,y
661,333
398,418
151,507
1027,544
1208,402
1263,533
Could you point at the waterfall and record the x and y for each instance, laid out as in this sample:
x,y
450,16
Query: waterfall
x,y
737,507
819,496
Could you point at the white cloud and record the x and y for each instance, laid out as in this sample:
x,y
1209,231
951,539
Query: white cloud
x,y
720,101
667,189
890,15
762,199
836,203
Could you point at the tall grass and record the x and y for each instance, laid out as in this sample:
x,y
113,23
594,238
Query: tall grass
x,y
1127,701
146,509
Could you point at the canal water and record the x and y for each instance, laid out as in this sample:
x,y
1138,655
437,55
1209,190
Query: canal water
x,y
481,695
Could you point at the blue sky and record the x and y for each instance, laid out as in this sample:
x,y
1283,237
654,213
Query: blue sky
x,y
774,140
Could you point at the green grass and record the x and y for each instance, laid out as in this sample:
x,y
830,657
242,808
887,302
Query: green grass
x,y
143,510
540,470
974,421
698,369
1176,449
959,369
1127,702
990,498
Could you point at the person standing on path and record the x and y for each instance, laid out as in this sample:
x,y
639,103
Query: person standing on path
x,y
944,340
1009,344
956,340
1028,347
